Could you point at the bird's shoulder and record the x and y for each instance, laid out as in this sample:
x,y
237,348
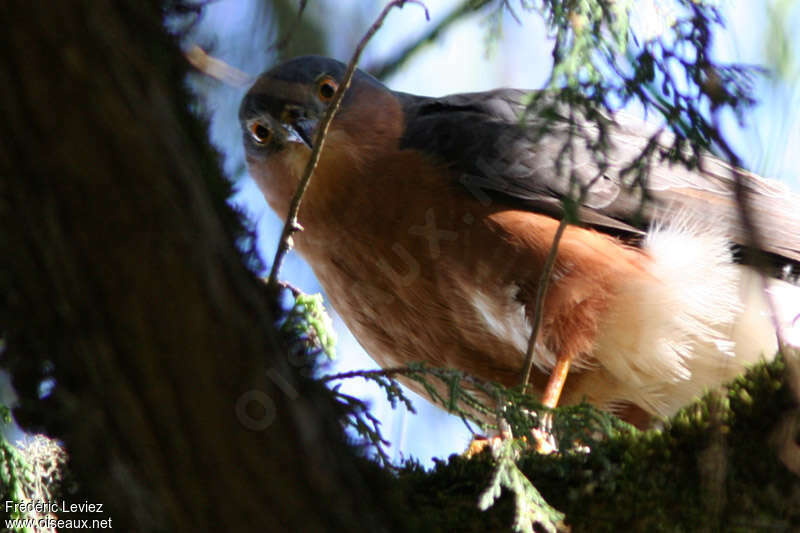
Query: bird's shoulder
x,y
531,149
497,147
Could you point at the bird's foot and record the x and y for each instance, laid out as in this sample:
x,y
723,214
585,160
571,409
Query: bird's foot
x,y
493,442
480,443
543,440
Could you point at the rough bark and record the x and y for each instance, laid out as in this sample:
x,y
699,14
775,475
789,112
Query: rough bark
x,y
121,280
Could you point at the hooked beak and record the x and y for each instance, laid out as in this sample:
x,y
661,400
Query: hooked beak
x,y
301,130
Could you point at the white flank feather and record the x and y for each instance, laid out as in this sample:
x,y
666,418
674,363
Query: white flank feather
x,y
698,322
507,321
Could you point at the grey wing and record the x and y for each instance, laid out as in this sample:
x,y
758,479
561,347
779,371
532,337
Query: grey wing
x,y
538,161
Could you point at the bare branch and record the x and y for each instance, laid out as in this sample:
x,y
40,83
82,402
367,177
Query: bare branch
x,y
292,224
541,292
389,67
283,41
754,248
544,280
217,68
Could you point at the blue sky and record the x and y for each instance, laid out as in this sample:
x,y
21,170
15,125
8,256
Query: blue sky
x,y
458,62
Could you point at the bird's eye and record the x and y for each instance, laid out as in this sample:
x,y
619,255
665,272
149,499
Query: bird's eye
x,y
259,132
326,88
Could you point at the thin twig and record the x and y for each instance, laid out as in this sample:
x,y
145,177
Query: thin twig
x,y
291,225
290,33
541,292
291,288
459,400
368,374
216,68
754,242
544,280
510,9
785,441
754,247
443,374
389,67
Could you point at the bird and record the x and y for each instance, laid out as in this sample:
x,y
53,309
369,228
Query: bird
x,y
429,220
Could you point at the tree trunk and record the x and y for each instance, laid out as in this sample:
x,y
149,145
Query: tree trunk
x,y
121,281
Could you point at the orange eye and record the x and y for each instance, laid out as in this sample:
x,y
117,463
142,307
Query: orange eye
x,y
259,132
326,88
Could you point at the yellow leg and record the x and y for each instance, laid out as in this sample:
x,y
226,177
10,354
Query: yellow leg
x,y
543,439
552,392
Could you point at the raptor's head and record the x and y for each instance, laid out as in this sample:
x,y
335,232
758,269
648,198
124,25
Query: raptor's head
x,y
281,112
